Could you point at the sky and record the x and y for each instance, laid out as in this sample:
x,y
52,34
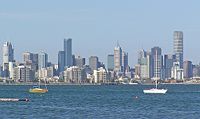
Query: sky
x,y
96,26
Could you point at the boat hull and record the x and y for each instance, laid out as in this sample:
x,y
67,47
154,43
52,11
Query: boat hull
x,y
155,91
38,90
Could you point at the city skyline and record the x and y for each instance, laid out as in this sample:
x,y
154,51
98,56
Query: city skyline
x,y
40,25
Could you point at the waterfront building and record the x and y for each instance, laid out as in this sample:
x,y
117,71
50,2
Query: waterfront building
x,y
178,47
23,74
74,74
100,75
157,66
45,73
42,60
110,62
94,62
177,72
61,61
68,52
169,59
187,68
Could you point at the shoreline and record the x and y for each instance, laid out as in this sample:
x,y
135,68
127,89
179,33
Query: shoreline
x,y
93,84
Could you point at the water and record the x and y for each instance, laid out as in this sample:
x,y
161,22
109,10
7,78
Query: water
x,y
97,102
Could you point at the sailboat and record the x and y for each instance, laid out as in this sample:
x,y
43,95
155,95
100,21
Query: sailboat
x,y
38,89
155,90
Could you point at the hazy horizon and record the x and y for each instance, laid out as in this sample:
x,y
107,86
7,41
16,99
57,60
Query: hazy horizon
x,y
96,26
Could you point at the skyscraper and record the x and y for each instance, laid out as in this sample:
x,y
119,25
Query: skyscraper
x,y
110,62
8,56
42,60
187,69
8,53
94,62
124,61
79,61
144,60
68,52
178,47
118,59
157,62
168,64
61,61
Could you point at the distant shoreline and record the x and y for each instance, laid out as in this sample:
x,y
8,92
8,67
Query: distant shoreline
x,y
93,84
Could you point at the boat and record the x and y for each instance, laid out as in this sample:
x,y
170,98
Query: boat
x,y
155,90
38,89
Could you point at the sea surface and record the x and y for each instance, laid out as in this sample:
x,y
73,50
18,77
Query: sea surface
x,y
102,102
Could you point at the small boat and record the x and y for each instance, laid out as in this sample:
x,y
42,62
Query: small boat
x,y
155,91
37,89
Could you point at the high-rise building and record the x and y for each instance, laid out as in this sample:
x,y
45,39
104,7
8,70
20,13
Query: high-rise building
x,y
169,59
31,60
118,59
156,53
79,61
74,74
178,47
27,57
124,61
110,62
23,74
8,53
61,61
8,56
100,75
144,60
94,62
42,60
187,69
68,52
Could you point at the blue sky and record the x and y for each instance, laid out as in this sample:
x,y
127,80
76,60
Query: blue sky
x,y
96,25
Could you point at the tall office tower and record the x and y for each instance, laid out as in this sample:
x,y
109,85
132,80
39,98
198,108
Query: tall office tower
x,y
27,56
110,62
42,60
79,61
8,56
168,64
156,53
144,59
187,69
68,52
141,54
8,53
61,61
94,63
118,58
178,47
124,61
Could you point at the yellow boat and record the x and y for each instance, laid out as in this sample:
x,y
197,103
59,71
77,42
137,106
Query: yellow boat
x,y
38,90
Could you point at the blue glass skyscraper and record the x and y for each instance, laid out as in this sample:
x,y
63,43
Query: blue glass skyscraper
x,y
61,61
68,52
